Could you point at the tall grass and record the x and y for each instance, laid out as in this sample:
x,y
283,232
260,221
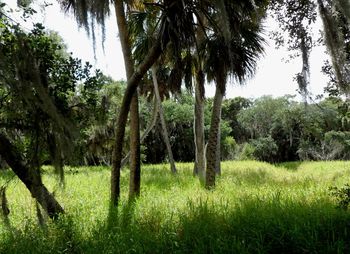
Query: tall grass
x,y
255,208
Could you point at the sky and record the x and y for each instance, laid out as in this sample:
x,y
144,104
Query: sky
x,y
274,76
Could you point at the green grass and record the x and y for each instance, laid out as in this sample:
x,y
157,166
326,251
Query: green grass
x,y
255,208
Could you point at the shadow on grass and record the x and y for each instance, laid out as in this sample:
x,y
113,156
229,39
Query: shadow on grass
x,y
292,165
253,226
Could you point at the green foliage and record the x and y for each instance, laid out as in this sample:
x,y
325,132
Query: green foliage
x,y
247,152
230,110
45,93
256,208
342,195
299,131
229,148
265,149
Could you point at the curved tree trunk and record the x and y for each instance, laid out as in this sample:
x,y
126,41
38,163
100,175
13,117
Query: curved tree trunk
x,y
30,177
199,165
162,120
213,141
135,172
150,126
132,84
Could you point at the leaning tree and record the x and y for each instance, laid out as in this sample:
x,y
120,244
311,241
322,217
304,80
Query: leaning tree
x,y
36,118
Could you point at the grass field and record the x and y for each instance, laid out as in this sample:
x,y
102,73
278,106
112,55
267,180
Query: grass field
x,y
255,208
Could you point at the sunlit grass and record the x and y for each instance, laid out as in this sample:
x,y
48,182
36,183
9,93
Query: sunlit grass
x,y
255,208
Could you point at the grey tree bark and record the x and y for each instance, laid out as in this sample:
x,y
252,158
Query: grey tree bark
x,y
199,139
218,152
213,141
199,165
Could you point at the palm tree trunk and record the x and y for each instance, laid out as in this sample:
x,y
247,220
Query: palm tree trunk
x,y
199,165
135,171
150,126
218,152
199,139
135,157
213,141
162,120
30,177
132,84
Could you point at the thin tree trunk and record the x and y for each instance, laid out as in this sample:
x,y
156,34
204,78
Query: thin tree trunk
x,y
213,138
199,139
199,165
30,177
135,157
132,84
218,153
162,120
150,126
135,172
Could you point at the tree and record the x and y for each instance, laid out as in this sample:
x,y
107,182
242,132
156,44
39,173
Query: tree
x,y
233,52
36,82
336,22
86,14
135,170
162,119
230,110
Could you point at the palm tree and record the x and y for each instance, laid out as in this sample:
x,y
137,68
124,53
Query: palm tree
x,y
97,11
142,27
135,171
235,53
199,141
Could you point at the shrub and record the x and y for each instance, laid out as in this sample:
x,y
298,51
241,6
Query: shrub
x,y
342,196
247,152
265,149
229,148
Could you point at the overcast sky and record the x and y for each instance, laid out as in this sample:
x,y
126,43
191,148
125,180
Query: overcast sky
x,y
274,75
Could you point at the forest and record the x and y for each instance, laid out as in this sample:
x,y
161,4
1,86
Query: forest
x,y
152,164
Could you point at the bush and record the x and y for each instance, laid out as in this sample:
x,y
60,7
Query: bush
x,y
229,148
265,149
247,152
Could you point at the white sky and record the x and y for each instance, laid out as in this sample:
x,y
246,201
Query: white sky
x,y
273,77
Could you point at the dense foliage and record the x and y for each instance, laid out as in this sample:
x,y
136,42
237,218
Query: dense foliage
x,y
45,94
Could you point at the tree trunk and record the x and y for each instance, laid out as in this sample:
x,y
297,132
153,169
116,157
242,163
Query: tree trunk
x,y
199,165
30,177
135,172
218,153
199,139
132,84
135,157
162,120
150,126
213,138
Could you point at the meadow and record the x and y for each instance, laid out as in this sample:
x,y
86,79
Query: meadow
x,y
256,207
